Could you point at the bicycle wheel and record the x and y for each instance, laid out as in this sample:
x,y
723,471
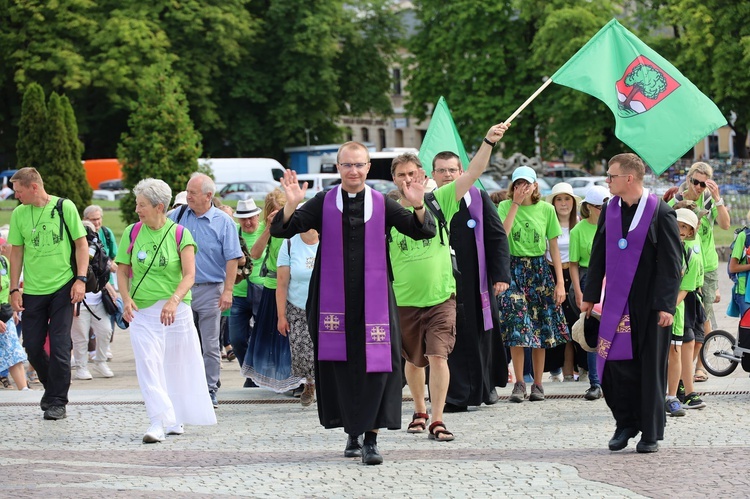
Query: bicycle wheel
x,y
717,344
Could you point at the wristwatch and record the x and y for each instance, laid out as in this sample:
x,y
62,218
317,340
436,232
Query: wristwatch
x,y
82,278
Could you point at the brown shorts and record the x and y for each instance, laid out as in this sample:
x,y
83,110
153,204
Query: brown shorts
x,y
427,331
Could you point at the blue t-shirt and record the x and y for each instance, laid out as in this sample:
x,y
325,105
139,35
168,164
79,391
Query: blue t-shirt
x,y
300,258
216,236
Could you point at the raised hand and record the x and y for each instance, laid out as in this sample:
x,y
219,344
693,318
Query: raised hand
x,y
414,191
294,193
496,132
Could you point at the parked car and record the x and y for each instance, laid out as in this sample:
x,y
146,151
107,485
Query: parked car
x,y
581,185
111,185
232,170
247,190
563,173
109,195
317,182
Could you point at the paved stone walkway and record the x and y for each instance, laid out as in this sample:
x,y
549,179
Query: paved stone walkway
x,y
267,445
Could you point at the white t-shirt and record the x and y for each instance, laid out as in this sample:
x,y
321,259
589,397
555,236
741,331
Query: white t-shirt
x,y
300,258
563,242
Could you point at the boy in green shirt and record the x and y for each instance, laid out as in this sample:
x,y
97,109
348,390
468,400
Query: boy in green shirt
x,y
680,364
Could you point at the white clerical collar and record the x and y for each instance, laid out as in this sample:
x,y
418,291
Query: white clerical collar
x,y
639,211
368,200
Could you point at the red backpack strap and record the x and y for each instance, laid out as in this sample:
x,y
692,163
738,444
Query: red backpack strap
x,y
133,234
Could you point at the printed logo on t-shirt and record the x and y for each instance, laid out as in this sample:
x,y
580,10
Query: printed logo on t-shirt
x,y
45,238
409,248
143,255
310,262
526,234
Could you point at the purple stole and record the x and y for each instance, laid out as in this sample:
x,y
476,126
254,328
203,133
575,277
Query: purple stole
x,y
623,255
332,317
476,210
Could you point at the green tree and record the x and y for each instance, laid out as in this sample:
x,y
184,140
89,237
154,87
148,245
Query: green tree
x,y
59,173
161,142
712,48
77,172
32,128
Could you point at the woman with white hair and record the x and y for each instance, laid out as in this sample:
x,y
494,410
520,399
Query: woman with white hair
x,y
155,273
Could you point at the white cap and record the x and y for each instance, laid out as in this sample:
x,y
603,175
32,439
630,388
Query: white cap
x,y
596,195
688,217
180,199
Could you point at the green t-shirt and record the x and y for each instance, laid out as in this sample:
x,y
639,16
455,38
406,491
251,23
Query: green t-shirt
x,y
706,234
46,247
692,269
678,322
533,226
107,237
581,241
240,289
165,274
4,280
738,252
273,254
422,270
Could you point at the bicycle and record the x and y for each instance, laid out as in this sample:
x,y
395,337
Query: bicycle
x,y
721,352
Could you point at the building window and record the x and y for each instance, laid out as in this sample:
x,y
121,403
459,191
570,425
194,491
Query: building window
x,y
381,138
713,146
396,81
365,135
349,134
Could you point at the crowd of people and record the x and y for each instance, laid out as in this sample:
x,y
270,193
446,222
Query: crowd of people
x,y
348,296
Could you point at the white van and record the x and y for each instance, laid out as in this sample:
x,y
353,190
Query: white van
x,y
228,170
380,162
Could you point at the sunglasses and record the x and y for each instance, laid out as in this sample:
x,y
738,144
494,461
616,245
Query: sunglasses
x,y
698,182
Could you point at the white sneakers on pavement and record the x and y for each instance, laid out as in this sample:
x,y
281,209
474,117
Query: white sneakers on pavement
x,y
155,433
103,370
82,373
177,429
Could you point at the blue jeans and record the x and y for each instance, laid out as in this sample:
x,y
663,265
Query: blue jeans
x,y
593,373
243,309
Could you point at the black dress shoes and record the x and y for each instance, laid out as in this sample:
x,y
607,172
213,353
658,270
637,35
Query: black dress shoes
x,y
454,408
620,439
353,446
644,447
493,398
370,454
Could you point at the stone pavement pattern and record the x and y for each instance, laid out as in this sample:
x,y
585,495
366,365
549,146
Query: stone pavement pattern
x,y
267,445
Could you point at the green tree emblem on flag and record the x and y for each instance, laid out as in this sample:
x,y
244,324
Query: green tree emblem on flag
x,y
643,85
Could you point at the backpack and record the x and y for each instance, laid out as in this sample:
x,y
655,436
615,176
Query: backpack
x,y
137,228
431,203
244,272
97,274
746,230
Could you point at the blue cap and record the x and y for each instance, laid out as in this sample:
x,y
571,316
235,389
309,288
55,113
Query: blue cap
x,y
525,173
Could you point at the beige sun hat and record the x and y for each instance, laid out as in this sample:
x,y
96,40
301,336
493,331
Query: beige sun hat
x,y
562,188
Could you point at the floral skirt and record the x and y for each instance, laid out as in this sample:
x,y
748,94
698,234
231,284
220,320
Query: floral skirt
x,y
529,316
11,352
300,342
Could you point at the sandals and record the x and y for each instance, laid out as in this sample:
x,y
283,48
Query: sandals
x,y
418,426
700,375
440,435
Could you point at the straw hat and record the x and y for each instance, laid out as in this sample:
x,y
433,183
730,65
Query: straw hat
x,y
246,208
562,188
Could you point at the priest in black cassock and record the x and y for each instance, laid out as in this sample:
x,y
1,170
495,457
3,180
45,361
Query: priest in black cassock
x,y
637,245
351,308
478,362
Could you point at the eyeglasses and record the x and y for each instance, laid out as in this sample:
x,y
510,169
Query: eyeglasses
x,y
353,165
443,171
597,206
698,182
610,176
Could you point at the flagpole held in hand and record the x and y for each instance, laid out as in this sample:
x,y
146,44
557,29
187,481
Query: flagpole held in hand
x,y
547,83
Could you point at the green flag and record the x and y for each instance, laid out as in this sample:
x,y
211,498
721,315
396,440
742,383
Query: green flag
x,y
441,136
658,112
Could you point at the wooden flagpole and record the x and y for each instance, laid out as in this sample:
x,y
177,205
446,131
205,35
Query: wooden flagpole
x,y
547,83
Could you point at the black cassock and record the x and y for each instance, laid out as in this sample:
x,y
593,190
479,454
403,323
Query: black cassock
x,y
348,396
478,363
635,389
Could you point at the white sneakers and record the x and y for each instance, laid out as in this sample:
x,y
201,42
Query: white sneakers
x,y
82,373
177,429
103,369
155,433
